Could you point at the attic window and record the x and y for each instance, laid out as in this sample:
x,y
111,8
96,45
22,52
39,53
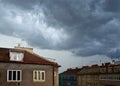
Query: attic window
x,y
16,55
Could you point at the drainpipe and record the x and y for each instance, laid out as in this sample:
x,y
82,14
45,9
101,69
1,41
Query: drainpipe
x,y
53,75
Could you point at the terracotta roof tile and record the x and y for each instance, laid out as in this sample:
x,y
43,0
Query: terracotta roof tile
x,y
29,58
70,71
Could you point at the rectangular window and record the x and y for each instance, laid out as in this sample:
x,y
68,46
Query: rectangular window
x,y
18,75
16,55
38,75
10,75
43,75
14,75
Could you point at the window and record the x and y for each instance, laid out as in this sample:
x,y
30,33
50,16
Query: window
x,y
14,75
38,75
95,77
16,56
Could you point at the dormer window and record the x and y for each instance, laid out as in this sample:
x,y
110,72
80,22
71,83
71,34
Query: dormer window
x,y
16,55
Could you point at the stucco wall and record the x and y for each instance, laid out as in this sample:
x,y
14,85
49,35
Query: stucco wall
x,y
27,74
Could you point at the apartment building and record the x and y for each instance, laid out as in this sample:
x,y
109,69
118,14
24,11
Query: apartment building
x,y
68,77
106,74
22,67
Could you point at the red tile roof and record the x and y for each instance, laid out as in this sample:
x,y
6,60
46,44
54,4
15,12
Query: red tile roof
x,y
70,71
105,68
29,58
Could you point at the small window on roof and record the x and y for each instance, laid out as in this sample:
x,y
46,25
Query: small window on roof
x,y
16,55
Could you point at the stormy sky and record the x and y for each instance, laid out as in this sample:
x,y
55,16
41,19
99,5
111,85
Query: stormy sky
x,y
82,27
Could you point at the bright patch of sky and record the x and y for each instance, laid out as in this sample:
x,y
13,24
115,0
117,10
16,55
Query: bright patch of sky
x,y
65,58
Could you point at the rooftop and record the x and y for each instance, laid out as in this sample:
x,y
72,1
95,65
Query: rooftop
x,y
29,57
70,71
100,69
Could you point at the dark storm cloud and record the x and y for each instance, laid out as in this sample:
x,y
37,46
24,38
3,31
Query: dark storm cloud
x,y
92,27
112,6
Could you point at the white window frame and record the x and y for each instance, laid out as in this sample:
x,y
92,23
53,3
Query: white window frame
x,y
12,76
16,56
38,80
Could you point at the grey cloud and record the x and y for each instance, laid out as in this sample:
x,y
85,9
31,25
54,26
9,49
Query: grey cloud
x,y
112,6
114,54
24,4
92,26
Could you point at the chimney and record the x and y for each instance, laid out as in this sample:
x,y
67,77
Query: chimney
x,y
95,65
107,64
76,68
24,48
85,67
113,61
102,64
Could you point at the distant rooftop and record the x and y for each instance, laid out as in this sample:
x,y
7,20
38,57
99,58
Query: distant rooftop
x,y
117,62
97,69
70,71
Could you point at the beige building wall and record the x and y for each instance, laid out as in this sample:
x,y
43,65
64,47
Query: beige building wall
x,y
27,74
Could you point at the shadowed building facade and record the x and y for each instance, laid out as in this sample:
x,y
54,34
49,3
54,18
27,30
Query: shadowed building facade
x,y
105,75
68,77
